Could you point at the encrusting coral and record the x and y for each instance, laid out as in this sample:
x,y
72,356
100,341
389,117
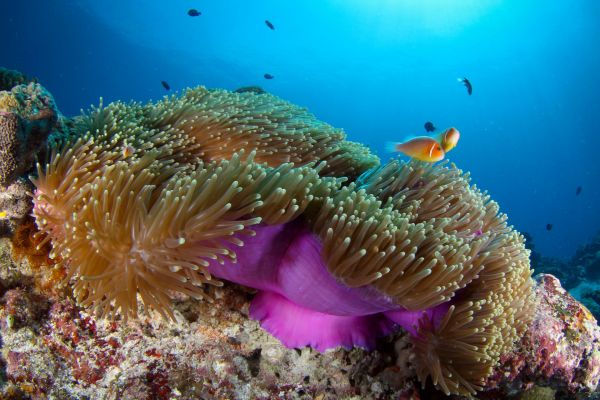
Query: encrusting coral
x,y
159,198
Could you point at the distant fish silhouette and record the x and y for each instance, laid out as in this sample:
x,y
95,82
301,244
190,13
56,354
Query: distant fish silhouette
x,y
548,227
165,85
269,76
192,12
429,126
578,190
467,84
269,24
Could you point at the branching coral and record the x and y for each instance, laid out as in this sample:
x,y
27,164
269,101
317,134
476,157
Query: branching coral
x,y
160,198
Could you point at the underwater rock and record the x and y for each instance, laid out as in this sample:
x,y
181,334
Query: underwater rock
x,y
587,258
213,351
569,275
10,78
588,292
560,350
15,205
28,116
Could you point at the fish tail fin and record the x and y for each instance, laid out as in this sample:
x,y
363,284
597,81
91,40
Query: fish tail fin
x,y
391,147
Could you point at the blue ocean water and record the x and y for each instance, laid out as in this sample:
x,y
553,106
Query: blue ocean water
x,y
378,69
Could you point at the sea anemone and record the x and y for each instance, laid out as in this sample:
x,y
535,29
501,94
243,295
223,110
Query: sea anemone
x,y
139,233
453,274
161,198
126,226
469,257
221,123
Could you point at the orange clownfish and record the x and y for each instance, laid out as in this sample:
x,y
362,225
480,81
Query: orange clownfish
x,y
422,148
449,139
128,151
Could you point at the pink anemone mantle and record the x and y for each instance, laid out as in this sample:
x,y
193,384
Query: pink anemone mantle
x,y
301,303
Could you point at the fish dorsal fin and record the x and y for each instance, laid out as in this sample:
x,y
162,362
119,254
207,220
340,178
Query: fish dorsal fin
x,y
409,138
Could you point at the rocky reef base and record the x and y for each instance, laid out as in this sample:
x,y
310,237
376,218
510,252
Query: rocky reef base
x,y
53,349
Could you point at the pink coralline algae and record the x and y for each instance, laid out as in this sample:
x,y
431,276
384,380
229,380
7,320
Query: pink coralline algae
x,y
561,349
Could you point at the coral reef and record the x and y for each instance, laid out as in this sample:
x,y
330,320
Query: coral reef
x,y
579,275
10,78
28,116
569,275
214,350
146,206
588,292
152,200
15,205
583,266
560,350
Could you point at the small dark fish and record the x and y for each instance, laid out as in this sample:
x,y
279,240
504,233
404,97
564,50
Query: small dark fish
x,y
269,24
467,84
548,227
269,76
165,85
192,12
429,126
578,190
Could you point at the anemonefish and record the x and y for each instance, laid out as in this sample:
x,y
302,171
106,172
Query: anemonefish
x,y
449,139
128,151
422,148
